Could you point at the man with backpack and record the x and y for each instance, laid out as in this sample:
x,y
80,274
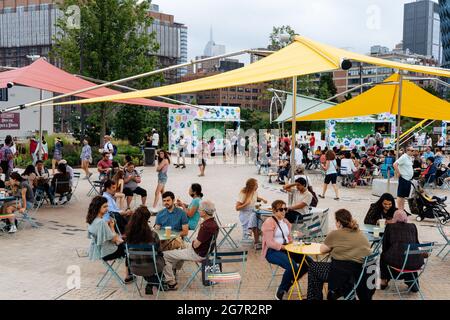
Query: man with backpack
x,y
109,147
6,157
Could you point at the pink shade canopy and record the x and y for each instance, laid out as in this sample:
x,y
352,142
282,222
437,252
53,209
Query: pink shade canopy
x,y
45,76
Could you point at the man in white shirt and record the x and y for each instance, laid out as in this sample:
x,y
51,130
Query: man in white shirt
x,y
301,202
441,142
108,146
404,170
298,156
155,139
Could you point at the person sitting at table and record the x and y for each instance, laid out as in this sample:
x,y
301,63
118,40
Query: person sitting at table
x,y
429,175
118,179
104,166
43,180
174,217
121,216
61,184
396,236
69,170
138,232
131,180
348,247
30,175
191,210
21,189
246,205
384,208
301,202
276,235
105,244
199,248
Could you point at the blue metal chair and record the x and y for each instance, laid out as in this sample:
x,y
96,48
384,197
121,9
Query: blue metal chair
x,y
225,231
424,249
212,248
444,235
111,270
135,252
229,276
274,273
369,266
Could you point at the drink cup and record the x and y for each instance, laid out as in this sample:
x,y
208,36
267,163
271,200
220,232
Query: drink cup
x,y
376,232
382,223
168,231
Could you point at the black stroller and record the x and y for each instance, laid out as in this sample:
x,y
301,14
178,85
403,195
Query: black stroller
x,y
428,207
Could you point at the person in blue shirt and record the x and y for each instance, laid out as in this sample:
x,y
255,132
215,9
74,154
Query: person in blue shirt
x,y
121,216
191,210
429,175
428,153
172,216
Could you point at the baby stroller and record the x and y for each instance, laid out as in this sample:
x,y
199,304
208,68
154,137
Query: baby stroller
x,y
428,207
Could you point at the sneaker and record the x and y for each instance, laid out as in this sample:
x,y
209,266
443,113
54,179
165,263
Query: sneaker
x,y
130,279
13,229
172,287
149,289
258,246
279,295
183,167
63,200
177,166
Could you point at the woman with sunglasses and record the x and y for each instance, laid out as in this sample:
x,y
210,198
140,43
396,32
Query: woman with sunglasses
x,y
276,235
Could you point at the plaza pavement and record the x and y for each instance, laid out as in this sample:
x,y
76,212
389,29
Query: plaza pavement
x,y
40,263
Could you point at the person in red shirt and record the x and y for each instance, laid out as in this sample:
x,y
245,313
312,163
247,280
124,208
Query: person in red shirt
x,y
287,143
33,147
312,141
104,166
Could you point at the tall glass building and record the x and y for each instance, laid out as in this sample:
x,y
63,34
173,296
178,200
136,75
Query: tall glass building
x,y
444,12
422,29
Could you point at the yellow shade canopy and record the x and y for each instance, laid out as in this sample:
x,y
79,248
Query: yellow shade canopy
x,y
303,56
383,98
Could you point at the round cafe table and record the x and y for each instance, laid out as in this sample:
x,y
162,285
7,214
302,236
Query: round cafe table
x,y
312,249
162,234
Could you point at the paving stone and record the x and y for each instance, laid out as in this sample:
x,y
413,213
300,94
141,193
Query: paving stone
x,y
41,263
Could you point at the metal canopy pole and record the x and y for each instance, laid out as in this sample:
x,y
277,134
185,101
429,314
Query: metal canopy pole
x,y
142,75
294,126
399,113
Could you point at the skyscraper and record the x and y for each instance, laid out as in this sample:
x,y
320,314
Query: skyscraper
x,y
213,49
422,29
444,13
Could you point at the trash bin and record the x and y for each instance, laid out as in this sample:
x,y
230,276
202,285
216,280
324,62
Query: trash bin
x,y
149,156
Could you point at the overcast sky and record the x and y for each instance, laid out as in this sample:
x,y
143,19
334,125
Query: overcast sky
x,y
243,24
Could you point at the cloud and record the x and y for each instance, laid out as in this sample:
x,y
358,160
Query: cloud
x,y
242,24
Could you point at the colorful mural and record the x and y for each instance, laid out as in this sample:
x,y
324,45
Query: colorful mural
x,y
352,142
188,122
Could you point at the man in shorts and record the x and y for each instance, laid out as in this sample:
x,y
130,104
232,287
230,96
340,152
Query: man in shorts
x,y
404,170
131,181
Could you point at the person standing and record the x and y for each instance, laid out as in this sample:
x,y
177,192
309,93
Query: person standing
x,y
202,155
404,170
330,169
33,149
57,153
181,146
6,157
44,150
312,142
108,147
86,158
441,142
162,168
155,139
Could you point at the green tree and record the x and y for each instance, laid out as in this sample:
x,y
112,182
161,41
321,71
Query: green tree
x,y
327,88
275,42
109,44
348,96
